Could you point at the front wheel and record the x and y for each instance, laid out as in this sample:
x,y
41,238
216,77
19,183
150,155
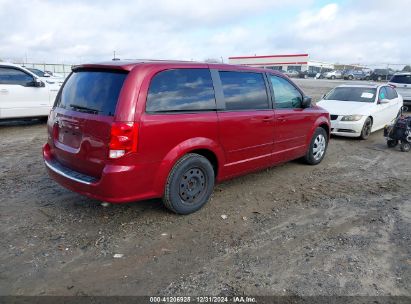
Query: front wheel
x,y
366,129
189,185
318,147
405,147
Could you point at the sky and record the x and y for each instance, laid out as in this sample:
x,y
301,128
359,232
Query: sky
x,y
351,31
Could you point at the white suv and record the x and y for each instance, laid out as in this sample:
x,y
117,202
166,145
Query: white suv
x,y
402,83
24,94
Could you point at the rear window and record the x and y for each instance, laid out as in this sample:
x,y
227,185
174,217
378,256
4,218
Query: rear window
x,y
244,91
181,90
94,92
401,79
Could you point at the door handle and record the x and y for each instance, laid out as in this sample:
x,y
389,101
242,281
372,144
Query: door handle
x,y
281,118
267,119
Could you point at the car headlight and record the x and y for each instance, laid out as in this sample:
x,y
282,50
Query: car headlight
x,y
351,118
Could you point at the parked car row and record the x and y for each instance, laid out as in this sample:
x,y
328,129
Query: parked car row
x,y
127,131
358,74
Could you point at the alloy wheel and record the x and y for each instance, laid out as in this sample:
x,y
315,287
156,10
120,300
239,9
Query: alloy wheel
x,y
319,146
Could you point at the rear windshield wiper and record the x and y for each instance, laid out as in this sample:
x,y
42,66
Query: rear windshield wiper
x,y
84,109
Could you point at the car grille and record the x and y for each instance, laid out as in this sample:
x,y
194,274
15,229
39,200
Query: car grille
x,y
333,117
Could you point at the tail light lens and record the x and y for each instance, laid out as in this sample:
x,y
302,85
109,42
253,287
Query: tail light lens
x,y
392,85
123,139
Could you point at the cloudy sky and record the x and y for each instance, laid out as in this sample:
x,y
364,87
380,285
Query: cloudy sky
x,y
351,31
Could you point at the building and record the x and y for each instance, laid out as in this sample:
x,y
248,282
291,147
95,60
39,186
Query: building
x,y
295,62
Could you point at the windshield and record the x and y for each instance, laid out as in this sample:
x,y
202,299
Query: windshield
x,y
94,92
37,72
352,94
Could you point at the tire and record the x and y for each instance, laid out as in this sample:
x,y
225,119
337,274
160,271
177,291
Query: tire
x,y
366,129
392,143
367,78
379,78
332,77
350,77
405,146
318,147
305,76
189,184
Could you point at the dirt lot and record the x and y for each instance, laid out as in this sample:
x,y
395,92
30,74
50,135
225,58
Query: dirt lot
x,y
340,228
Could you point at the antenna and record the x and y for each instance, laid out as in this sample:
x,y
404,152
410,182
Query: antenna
x,y
114,56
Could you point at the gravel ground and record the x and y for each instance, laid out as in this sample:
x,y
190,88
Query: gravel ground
x,y
339,228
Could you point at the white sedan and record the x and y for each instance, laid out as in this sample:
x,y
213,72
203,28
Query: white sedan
x,y
24,94
358,110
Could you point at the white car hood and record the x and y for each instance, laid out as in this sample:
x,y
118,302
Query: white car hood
x,y
338,107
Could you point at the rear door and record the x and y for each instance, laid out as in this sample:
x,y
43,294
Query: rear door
x,y
292,122
82,117
402,84
19,97
245,120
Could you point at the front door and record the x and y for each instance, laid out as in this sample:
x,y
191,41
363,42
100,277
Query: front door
x,y
292,122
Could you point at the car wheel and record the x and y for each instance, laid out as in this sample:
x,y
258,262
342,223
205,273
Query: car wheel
x,y
366,129
379,78
318,147
405,147
305,76
367,78
350,77
391,143
333,77
189,185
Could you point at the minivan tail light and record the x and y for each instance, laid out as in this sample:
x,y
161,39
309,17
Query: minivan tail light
x,y
123,139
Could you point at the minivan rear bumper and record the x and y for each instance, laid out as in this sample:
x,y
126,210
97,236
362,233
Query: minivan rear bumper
x,y
117,184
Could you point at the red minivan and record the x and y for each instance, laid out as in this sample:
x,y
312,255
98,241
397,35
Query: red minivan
x,y
127,131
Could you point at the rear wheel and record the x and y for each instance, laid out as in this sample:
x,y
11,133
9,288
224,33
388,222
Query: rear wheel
x,y
332,77
189,185
379,78
366,129
318,147
350,77
405,147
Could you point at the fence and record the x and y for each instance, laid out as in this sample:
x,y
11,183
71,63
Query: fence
x,y
55,68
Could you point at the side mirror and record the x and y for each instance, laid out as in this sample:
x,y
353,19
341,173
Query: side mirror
x,y
306,102
37,83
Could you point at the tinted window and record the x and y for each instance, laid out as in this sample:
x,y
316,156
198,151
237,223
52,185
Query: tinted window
x,y
286,96
244,91
14,76
181,90
392,94
94,92
401,79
